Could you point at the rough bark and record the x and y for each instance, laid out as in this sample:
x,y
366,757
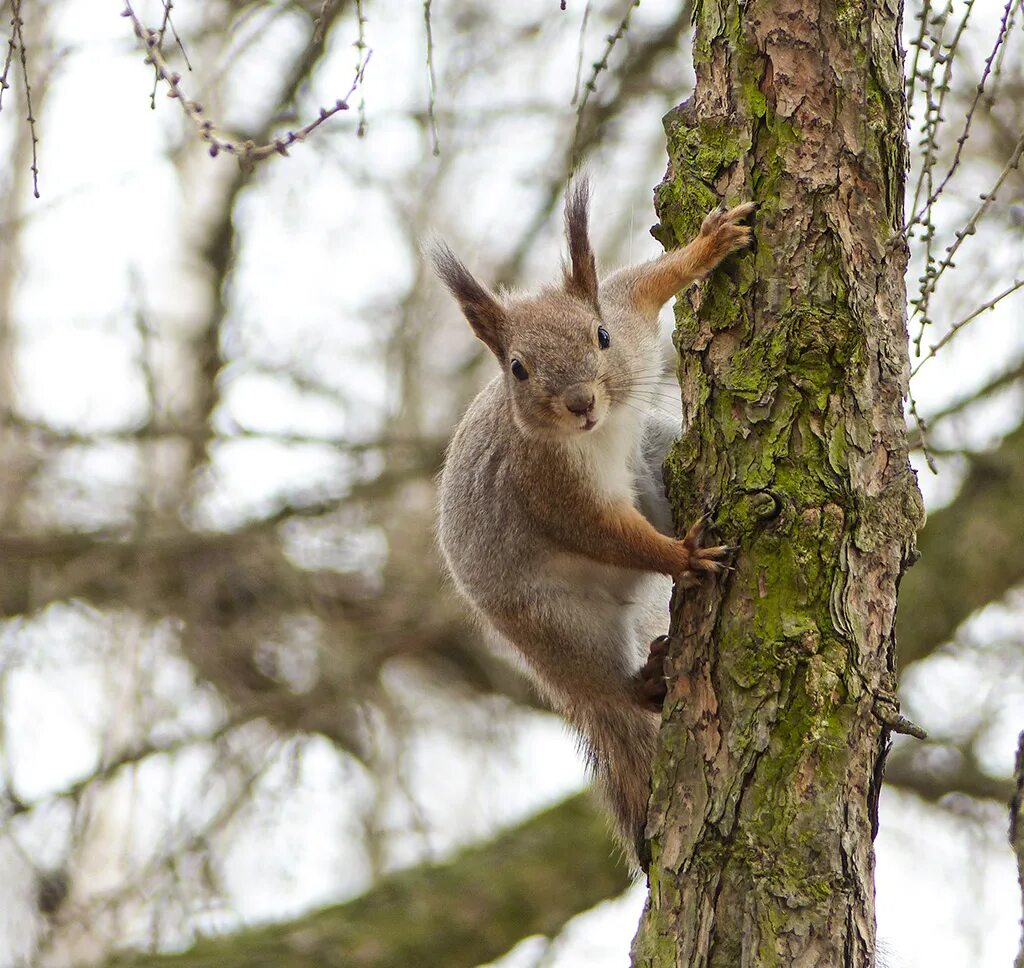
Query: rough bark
x,y
528,881
793,366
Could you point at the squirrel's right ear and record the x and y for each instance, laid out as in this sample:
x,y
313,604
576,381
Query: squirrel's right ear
x,y
581,273
483,311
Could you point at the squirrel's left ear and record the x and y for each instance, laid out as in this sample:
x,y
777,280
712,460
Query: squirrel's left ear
x,y
581,272
483,311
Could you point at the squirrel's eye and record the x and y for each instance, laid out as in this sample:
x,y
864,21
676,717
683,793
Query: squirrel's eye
x,y
518,370
603,339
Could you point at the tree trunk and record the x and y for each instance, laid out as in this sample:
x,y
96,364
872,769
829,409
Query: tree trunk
x,y
793,363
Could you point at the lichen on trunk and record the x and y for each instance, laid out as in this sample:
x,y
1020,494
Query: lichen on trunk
x,y
792,364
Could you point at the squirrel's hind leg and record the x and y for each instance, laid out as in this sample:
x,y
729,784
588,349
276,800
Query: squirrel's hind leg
x,y
651,684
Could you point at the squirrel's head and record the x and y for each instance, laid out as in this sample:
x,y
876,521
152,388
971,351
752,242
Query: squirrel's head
x,y
565,364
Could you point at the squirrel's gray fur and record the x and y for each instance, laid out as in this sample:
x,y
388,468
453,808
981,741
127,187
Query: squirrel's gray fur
x,y
542,483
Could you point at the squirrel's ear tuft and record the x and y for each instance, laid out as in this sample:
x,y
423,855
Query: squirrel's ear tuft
x,y
581,272
483,311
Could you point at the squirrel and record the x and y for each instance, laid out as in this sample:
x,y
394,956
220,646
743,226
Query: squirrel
x,y
553,519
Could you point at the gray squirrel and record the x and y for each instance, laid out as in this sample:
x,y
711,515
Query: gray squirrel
x,y
552,514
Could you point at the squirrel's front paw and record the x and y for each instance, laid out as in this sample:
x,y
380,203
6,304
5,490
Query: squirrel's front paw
x,y
698,559
651,686
722,227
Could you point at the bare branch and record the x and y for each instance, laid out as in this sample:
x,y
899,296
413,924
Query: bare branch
x,y
601,65
12,46
168,6
579,53
128,757
934,771
529,880
960,324
1009,377
247,151
431,82
970,552
17,40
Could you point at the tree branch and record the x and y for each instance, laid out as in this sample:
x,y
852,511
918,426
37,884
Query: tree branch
x,y
529,880
971,553
917,769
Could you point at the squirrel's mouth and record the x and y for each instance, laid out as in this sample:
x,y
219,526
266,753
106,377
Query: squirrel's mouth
x,y
589,424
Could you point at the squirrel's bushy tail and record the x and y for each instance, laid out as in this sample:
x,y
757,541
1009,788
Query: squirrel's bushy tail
x,y
620,742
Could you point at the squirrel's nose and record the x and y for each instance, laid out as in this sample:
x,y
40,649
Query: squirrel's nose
x,y
579,400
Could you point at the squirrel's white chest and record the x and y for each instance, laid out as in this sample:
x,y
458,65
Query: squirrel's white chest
x,y
608,455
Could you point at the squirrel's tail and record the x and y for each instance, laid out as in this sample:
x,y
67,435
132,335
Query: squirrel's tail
x,y
621,742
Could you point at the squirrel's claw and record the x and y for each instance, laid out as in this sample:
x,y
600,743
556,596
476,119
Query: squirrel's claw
x,y
725,229
650,684
697,529
714,560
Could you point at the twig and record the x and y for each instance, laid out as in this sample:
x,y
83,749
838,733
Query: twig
x,y
177,39
431,82
918,44
18,39
361,63
11,45
997,71
969,118
638,67
969,228
247,152
1010,376
130,756
579,53
318,29
957,326
144,331
932,123
922,431
602,65
168,4
932,117
935,91
887,709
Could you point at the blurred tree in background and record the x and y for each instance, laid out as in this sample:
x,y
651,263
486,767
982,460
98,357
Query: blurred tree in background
x,y
235,690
